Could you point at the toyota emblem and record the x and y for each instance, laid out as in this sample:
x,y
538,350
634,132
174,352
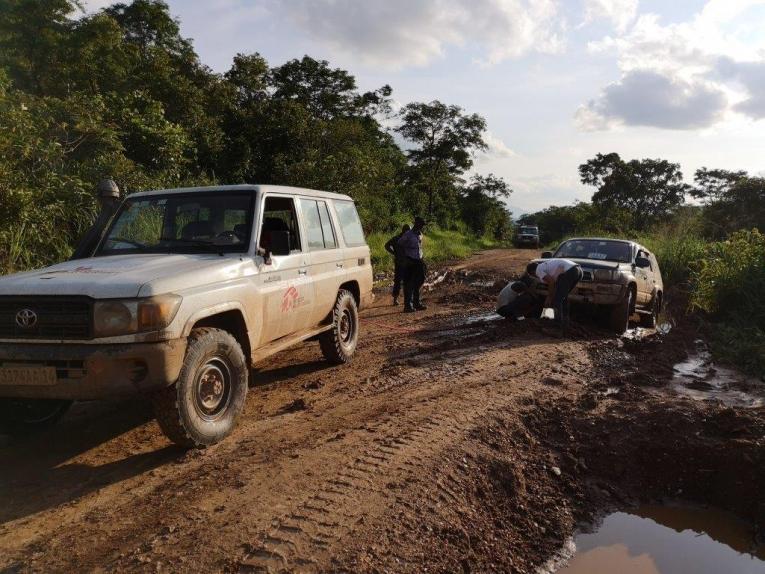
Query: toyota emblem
x,y
26,318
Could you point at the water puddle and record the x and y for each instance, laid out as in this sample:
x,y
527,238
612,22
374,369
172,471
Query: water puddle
x,y
657,539
699,378
487,317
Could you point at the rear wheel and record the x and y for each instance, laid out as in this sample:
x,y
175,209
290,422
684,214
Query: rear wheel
x,y
202,407
25,416
619,318
339,343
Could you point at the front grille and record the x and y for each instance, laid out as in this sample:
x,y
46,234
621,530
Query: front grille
x,y
56,317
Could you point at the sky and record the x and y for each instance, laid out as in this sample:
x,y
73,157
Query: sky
x,y
557,81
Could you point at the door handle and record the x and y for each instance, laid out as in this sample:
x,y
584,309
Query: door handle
x,y
302,271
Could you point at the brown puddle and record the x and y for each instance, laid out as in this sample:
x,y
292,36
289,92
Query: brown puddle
x,y
656,539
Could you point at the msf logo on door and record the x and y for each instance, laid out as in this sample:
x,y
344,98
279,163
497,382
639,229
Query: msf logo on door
x,y
291,299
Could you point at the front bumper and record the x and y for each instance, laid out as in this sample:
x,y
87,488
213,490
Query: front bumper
x,y
594,293
86,372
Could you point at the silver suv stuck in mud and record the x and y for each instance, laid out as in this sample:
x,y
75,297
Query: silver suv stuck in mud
x,y
185,291
621,276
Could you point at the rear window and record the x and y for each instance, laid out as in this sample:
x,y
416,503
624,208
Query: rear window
x,y
350,224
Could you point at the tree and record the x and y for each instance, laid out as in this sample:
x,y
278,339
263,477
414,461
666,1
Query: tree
x,y
445,137
325,92
741,206
483,209
648,188
713,184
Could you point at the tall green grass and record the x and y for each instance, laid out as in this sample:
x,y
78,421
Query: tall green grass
x,y
728,287
678,246
439,245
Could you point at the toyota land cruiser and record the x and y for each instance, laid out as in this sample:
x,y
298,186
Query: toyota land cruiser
x,y
185,291
622,276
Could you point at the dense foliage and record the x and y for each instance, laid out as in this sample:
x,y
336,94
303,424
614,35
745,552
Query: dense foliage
x,y
122,94
728,285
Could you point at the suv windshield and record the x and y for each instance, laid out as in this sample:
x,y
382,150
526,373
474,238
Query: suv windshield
x,y
595,249
529,230
217,221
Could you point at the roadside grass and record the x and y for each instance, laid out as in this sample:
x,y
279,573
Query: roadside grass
x,y
727,288
439,245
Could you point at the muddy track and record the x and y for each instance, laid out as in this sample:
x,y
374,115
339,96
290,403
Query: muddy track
x,y
401,460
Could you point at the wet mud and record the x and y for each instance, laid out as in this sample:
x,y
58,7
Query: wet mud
x,y
454,442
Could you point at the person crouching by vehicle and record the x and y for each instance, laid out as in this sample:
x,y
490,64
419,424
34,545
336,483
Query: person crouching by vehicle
x,y
410,245
398,262
560,276
518,299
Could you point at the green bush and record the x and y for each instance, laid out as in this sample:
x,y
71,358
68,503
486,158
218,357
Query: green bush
x,y
678,246
728,285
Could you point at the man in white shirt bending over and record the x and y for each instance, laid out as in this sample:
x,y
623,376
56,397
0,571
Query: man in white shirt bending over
x,y
560,276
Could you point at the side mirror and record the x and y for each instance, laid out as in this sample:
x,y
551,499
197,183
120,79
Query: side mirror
x,y
547,254
280,243
642,262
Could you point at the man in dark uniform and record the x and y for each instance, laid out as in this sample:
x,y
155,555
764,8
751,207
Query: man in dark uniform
x,y
398,262
410,246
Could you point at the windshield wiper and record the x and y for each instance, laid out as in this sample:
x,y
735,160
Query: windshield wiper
x,y
132,242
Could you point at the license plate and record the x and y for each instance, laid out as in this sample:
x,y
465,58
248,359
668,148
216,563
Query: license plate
x,y
28,376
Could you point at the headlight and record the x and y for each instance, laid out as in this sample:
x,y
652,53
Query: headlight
x,y
606,274
125,317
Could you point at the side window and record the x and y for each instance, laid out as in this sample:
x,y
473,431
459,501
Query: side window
x,y
312,224
646,255
319,229
350,224
330,242
279,215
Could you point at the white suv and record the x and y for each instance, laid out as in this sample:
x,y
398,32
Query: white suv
x,y
187,289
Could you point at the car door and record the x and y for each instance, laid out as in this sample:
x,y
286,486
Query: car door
x,y
285,281
324,253
642,277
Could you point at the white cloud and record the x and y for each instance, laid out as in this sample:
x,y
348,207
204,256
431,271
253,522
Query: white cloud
x,y
497,148
685,75
619,12
647,98
399,33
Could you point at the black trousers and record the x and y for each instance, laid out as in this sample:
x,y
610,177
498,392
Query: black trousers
x,y
398,276
414,278
563,286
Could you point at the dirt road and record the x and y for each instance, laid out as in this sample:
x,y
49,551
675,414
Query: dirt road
x,y
453,442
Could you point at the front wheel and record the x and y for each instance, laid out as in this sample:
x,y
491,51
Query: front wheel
x,y
619,318
202,407
339,343
25,416
650,321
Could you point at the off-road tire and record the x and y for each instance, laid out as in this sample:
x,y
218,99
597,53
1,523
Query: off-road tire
x,y
619,318
339,343
19,417
214,369
650,321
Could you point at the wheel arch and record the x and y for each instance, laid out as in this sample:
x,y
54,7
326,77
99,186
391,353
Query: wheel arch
x,y
355,290
231,321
